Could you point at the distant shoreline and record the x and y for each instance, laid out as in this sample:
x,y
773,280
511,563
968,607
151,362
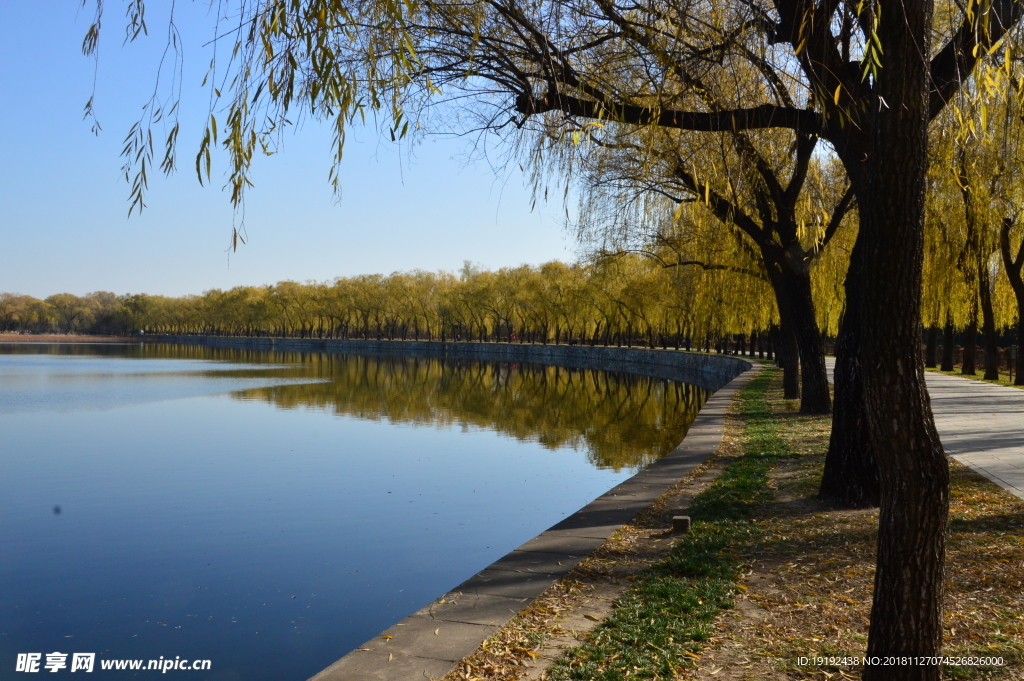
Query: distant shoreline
x,y
65,338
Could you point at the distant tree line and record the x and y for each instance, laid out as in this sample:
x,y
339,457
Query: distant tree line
x,y
101,313
626,300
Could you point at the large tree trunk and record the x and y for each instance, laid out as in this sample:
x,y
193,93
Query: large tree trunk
x,y
814,393
788,351
906,613
988,324
850,478
788,357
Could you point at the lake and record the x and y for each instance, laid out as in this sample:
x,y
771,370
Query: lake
x,y
271,511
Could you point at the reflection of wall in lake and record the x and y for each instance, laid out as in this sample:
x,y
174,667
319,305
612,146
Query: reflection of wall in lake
x,y
620,420
626,407
708,371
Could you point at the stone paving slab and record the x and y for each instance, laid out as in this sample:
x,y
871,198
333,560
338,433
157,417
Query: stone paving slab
x,y
472,608
429,643
562,542
424,636
534,561
981,426
507,583
383,666
603,521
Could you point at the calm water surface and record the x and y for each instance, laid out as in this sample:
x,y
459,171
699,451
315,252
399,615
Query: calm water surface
x,y
271,511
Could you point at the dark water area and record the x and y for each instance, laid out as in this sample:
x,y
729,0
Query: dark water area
x,y
271,511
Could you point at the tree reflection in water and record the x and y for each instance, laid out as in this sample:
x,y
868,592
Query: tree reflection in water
x,y
620,420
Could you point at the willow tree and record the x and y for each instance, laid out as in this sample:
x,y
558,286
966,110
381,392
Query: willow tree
x,y
865,77
962,244
990,154
762,201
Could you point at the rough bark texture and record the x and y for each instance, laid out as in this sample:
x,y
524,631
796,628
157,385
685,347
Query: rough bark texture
x,y
801,338
850,478
787,355
906,614
931,347
814,392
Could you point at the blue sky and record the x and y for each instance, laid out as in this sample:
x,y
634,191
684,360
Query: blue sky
x,y
63,200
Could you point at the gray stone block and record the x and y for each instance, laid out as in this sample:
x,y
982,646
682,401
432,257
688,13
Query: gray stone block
x,y
473,608
534,561
423,636
382,665
507,583
599,523
563,542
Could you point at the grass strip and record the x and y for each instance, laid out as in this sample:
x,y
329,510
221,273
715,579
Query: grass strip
x,y
1003,380
661,622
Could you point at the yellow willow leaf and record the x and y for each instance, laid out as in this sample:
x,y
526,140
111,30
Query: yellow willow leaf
x,y
678,214
835,97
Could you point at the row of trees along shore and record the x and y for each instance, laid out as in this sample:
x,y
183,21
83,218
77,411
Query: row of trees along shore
x,y
630,302
627,301
782,142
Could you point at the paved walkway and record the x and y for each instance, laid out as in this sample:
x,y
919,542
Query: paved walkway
x,y
981,426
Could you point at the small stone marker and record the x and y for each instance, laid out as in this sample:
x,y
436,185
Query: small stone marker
x,y
680,524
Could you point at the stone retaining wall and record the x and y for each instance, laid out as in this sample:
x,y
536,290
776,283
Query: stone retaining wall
x,y
707,371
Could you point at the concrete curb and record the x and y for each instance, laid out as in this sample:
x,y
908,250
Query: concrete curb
x,y
429,643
